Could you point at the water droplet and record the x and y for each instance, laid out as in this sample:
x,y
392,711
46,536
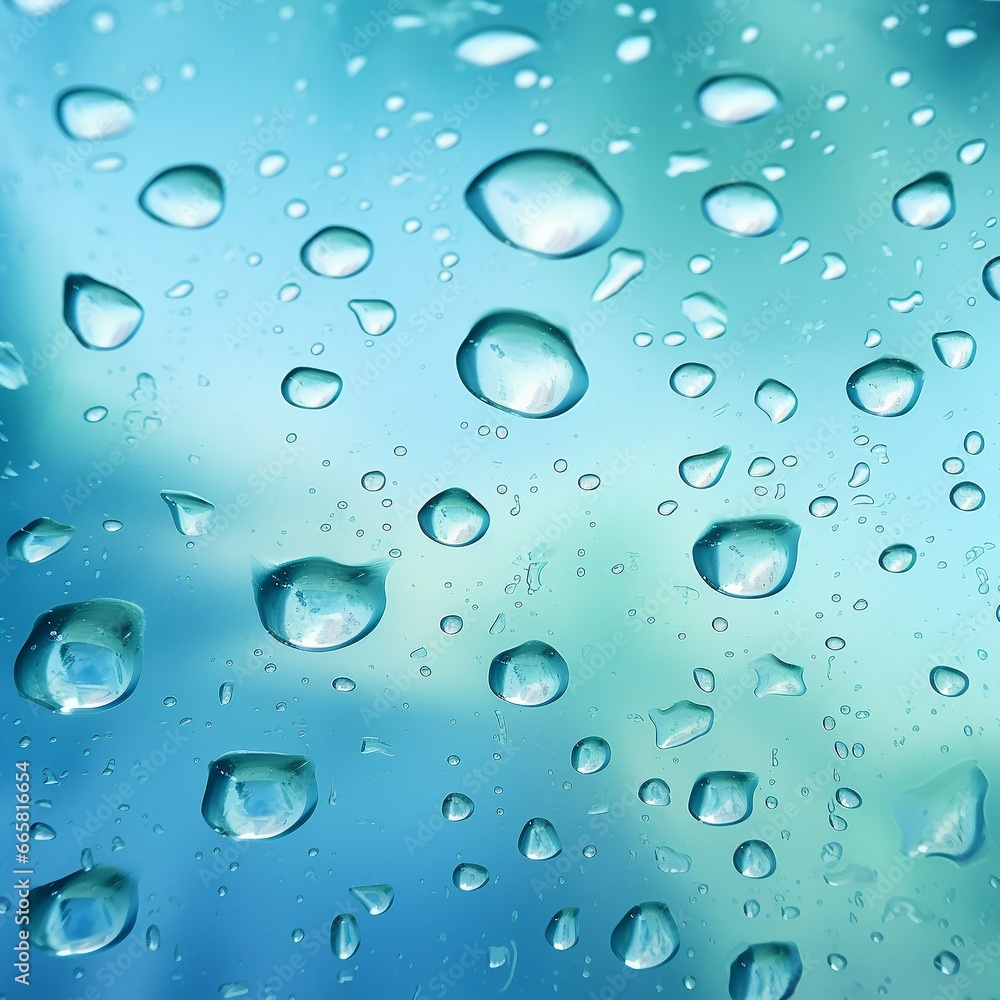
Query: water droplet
x,y
956,349
521,364
623,266
681,723
101,316
318,604
967,496
192,514
112,525
311,388
748,558
457,807
634,48
704,471
947,962
737,99
944,816
496,46
974,443
927,203
548,202
754,859
949,681
83,912
82,656
723,798
768,971
654,792
190,197
375,316
345,936
375,899
531,674
823,506
707,315
898,558
337,252
776,677
588,482
760,467
590,755
454,517
259,796
373,481
705,679
39,539
960,36
671,862
646,936
741,209
563,930
776,400
886,388
469,877
271,163
692,380
539,841
666,508
94,113
970,153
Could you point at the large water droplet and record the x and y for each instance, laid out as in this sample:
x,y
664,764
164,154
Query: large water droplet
x,y
776,677
927,203
454,517
949,681
469,877
496,46
898,558
531,674
83,912
737,99
705,470
768,971
318,604
563,930
944,817
722,798
345,936
590,755
956,349
741,209
259,796
311,388
337,252
754,859
190,197
692,380
886,388
683,722
82,656
538,840
192,514
93,113
101,316
39,539
549,202
646,936
967,496
749,557
521,364
776,400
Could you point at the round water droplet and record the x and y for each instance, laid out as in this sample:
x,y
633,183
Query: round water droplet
x,y
885,388
956,349
589,482
967,496
548,202
521,364
311,388
94,113
823,507
590,755
768,971
634,48
654,792
344,684
754,859
947,963
454,517
319,604
189,197
646,936
539,841
760,467
848,798
271,163
748,558
692,380
974,443
927,203
337,252
666,508
898,558
949,681
531,674
737,99
469,877
457,807
722,798
451,624
741,209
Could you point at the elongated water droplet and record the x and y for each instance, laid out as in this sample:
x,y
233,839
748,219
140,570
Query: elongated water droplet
x,y
798,249
768,971
454,517
741,209
83,656
345,936
83,912
634,48
927,203
259,796
956,349
692,380
754,859
521,364
39,539
886,388
723,798
704,471
337,252
375,316
469,877
190,197
94,113
192,514
705,679
590,755
737,99
101,316
563,930
683,722
646,936
375,899
496,46
749,557
318,604
549,202
531,674
776,400
311,388
623,266
972,152
539,841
